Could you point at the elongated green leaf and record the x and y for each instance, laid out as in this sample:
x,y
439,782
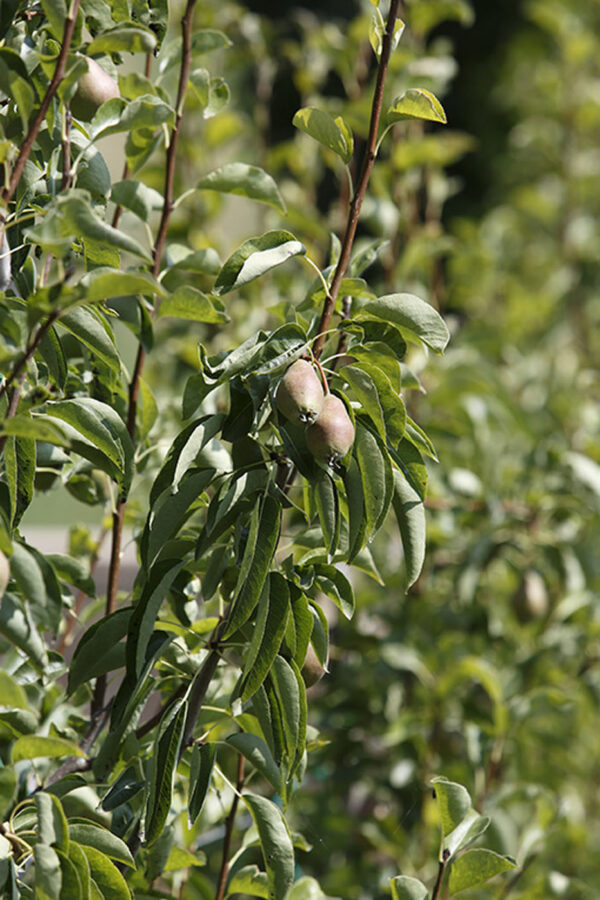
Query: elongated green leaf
x,y
328,509
98,433
51,351
70,881
105,283
413,316
102,839
460,822
476,867
183,453
287,690
87,327
336,585
94,654
365,391
247,181
131,38
410,513
416,103
187,302
137,197
141,624
410,462
171,510
273,626
48,879
255,257
276,844
163,765
19,468
372,467
255,564
125,787
17,626
201,769
79,860
32,747
357,520
52,822
332,133
405,888
105,875
390,401
255,749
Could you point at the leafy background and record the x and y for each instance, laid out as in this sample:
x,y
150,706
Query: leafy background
x,y
487,671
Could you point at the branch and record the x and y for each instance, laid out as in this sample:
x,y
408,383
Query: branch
x,y
229,830
361,187
134,386
27,145
440,877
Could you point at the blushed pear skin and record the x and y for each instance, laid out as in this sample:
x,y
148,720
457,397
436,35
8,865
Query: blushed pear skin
x,y
312,670
332,433
94,88
300,394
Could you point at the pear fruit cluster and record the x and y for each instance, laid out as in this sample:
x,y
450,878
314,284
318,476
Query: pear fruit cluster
x,y
94,88
300,398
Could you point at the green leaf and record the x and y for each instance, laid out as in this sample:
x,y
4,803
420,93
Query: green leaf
x,y
388,399
162,769
326,130
8,788
89,328
141,625
171,510
124,788
276,844
102,839
95,652
248,880
129,38
19,469
328,509
204,40
269,630
461,825
48,879
414,317
98,433
52,822
256,562
79,860
375,472
410,462
416,103
183,453
201,769
70,881
32,747
106,876
366,393
180,858
17,625
336,585
247,181
410,513
105,283
187,302
256,751
287,691
255,257
137,197
306,889
405,888
357,520
476,867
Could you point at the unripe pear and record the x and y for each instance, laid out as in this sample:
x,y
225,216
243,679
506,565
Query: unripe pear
x,y
531,599
332,433
4,573
312,669
300,393
94,88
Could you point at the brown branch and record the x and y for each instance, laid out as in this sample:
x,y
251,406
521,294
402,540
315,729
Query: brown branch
x,y
361,187
27,145
134,386
229,831
440,876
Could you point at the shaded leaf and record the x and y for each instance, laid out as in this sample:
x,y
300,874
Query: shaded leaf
x,y
162,770
201,768
255,257
326,130
410,513
276,844
247,181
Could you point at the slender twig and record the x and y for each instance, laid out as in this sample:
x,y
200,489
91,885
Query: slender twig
x,y
27,145
361,187
134,385
440,876
229,831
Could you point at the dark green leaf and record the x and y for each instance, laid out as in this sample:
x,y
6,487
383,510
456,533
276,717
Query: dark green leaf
x,y
269,630
276,844
102,839
17,625
328,508
410,513
48,878
201,768
95,652
92,331
105,875
163,764
255,750
171,510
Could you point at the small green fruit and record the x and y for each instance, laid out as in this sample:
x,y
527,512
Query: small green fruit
x,y
300,394
4,573
94,88
312,670
531,599
332,433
